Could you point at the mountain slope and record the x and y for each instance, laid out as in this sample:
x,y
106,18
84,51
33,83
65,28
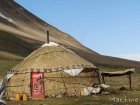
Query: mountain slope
x,y
21,32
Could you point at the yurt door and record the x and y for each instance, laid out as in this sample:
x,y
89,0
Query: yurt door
x,y
37,85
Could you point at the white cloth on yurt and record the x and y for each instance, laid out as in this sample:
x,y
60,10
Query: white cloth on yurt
x,y
2,91
73,72
50,44
8,76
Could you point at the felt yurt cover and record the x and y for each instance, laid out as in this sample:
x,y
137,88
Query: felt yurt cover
x,y
51,57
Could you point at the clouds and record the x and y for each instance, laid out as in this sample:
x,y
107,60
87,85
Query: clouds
x,y
132,56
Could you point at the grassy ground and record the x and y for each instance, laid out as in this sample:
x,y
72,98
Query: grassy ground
x,y
132,97
17,45
6,65
89,100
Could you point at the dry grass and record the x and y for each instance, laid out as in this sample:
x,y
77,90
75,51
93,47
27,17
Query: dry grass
x,y
88,100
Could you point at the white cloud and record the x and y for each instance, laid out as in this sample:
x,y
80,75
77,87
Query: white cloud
x,y
135,56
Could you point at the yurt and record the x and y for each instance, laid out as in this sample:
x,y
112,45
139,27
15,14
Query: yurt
x,y
51,70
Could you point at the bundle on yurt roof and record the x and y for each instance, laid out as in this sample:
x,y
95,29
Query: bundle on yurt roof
x,y
50,70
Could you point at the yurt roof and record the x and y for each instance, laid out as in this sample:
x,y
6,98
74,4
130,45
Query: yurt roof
x,y
50,58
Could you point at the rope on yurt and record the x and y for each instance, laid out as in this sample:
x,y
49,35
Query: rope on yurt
x,y
75,86
63,82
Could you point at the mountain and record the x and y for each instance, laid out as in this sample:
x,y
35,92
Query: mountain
x,y
21,32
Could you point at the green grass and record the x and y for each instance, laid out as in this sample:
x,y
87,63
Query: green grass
x,y
115,83
6,64
17,45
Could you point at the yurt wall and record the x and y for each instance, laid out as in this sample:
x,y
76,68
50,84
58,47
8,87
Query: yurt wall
x,y
55,83
61,82
18,84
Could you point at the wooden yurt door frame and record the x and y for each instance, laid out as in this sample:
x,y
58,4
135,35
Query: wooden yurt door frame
x,y
42,80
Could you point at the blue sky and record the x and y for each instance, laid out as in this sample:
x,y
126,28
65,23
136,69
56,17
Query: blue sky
x,y
109,27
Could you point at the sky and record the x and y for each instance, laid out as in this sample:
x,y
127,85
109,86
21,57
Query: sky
x,y
109,27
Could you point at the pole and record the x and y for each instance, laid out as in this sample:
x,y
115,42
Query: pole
x,y
48,37
130,81
103,79
98,75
